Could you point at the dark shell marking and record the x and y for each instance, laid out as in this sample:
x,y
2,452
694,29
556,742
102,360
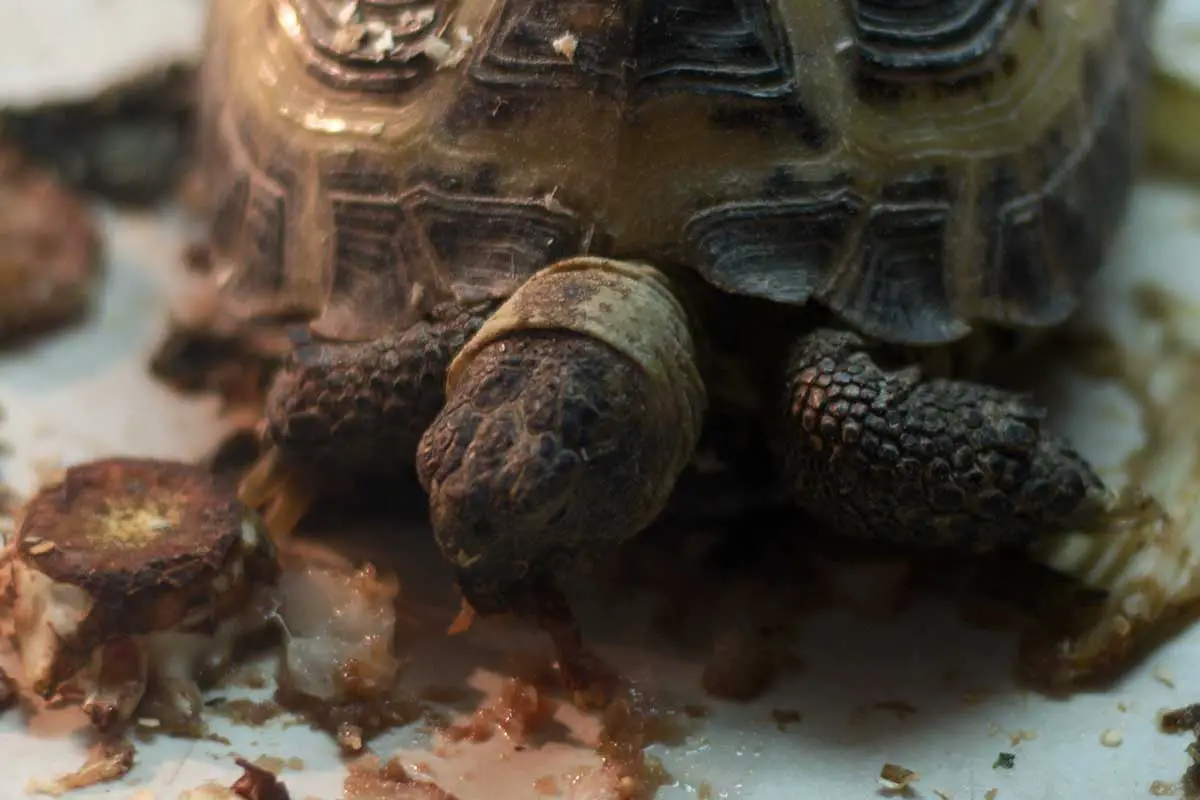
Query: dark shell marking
x,y
916,167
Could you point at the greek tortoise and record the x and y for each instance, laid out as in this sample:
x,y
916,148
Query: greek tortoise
x,y
533,245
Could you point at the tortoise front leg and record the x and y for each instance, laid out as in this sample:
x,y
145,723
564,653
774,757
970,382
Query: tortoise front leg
x,y
568,419
337,410
890,455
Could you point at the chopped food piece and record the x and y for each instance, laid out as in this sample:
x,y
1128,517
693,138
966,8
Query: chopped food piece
x,y
107,761
942,795
1005,761
1112,738
50,250
155,570
894,778
339,624
339,667
991,794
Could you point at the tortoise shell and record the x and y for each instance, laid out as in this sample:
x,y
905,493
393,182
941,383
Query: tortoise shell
x,y
919,167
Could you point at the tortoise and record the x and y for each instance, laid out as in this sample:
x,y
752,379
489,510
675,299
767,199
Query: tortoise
x,y
531,249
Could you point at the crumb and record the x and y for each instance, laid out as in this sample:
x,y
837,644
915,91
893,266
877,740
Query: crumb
x,y
294,764
258,783
1164,676
1111,738
990,794
1163,789
895,779
1005,761
106,762
566,45
1122,707
1018,737
350,738
784,717
942,794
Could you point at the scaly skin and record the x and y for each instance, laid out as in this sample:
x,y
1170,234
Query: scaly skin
x,y
934,462
362,407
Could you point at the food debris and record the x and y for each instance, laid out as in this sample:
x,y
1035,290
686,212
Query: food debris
x,y
107,761
1164,676
629,726
546,785
565,46
895,779
1005,761
371,779
350,738
1112,738
942,795
518,710
990,794
1163,788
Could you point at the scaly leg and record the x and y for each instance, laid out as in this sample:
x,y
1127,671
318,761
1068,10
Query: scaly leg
x,y
337,409
889,455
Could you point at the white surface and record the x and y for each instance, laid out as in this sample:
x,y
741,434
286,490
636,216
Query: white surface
x,y
64,50
86,393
